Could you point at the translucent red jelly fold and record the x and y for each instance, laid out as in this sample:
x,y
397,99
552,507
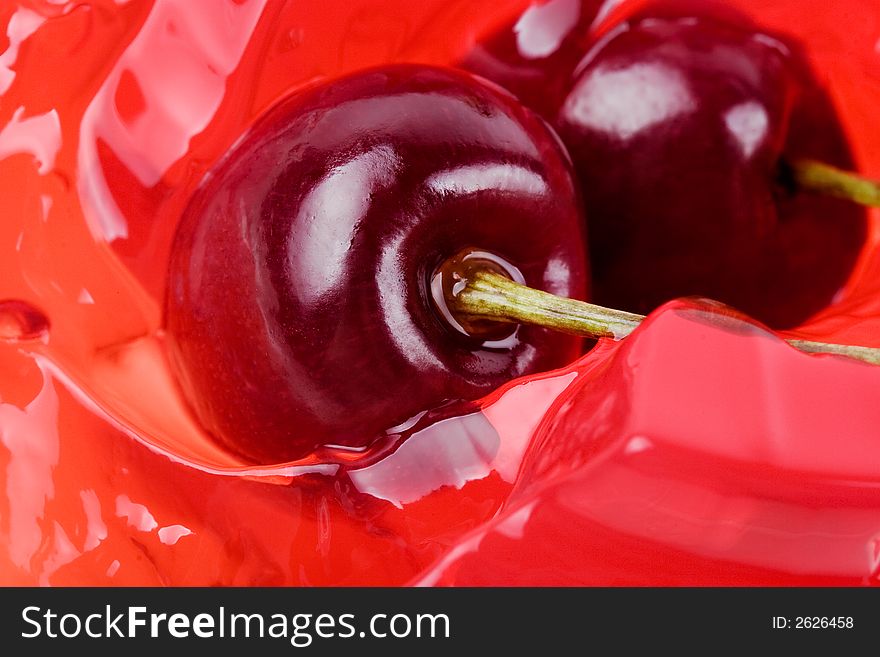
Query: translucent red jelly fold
x,y
701,450
770,478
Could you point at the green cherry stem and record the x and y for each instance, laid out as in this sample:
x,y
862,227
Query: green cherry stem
x,y
821,178
485,295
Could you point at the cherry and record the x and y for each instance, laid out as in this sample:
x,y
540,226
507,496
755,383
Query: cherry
x,y
677,128
299,309
681,128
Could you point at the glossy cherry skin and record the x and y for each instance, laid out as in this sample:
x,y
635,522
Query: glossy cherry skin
x,y
678,125
298,309
678,128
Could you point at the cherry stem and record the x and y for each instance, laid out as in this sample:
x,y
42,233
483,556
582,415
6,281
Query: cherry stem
x,y
488,295
821,178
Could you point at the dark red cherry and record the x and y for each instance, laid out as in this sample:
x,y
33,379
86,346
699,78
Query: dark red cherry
x,y
679,126
299,308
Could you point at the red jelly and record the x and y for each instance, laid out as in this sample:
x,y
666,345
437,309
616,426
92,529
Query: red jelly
x,y
700,450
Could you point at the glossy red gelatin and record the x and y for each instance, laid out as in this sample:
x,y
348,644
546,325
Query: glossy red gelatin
x,y
701,450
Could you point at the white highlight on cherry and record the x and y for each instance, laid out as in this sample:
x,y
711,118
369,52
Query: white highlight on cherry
x,y
542,28
748,124
487,177
330,216
624,102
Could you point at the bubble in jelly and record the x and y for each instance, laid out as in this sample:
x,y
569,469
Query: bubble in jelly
x,y
20,321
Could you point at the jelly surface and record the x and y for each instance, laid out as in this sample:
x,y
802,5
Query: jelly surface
x,y
700,450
